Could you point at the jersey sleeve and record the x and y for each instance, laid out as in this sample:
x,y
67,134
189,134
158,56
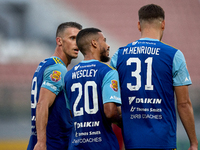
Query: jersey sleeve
x,y
53,78
180,73
111,88
114,58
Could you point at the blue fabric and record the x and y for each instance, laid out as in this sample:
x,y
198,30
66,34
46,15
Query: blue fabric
x,y
50,75
179,70
148,69
89,85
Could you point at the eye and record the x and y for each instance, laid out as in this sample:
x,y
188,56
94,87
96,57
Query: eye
x,y
73,38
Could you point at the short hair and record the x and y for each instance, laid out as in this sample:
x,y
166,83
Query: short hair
x,y
65,25
151,12
84,38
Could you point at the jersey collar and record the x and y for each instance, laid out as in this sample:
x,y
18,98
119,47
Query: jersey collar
x,y
59,60
149,39
87,61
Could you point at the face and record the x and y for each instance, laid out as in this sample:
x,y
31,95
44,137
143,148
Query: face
x,y
104,48
69,42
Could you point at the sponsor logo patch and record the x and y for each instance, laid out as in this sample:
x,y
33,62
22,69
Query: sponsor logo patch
x,y
55,76
76,67
114,85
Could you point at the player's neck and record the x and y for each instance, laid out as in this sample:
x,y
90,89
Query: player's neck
x,y
153,34
62,56
90,56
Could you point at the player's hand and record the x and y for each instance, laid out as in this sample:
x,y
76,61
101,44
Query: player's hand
x,y
193,148
40,146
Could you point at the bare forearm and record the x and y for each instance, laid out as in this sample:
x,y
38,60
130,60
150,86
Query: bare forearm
x,y
115,117
41,122
185,111
118,118
112,113
45,101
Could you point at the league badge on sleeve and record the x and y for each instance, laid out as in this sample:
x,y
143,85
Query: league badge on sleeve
x,y
55,76
114,85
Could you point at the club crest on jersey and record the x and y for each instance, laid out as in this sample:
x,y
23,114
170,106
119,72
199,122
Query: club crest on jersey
x,y
55,76
114,85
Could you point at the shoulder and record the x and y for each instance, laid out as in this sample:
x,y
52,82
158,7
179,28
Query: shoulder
x,y
105,65
168,46
107,71
57,60
179,57
56,69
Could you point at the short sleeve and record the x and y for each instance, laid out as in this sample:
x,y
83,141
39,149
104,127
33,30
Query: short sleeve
x,y
53,78
180,72
111,88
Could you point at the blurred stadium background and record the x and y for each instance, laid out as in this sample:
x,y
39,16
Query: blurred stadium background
x,y
27,36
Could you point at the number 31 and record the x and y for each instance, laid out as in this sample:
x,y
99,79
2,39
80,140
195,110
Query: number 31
x,y
137,75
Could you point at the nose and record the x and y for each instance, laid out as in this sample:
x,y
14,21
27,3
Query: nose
x,y
108,48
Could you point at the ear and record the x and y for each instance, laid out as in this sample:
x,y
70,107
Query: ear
x,y
94,43
139,26
163,25
59,41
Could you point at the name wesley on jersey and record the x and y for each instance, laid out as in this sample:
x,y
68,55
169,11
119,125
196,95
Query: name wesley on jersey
x,y
84,73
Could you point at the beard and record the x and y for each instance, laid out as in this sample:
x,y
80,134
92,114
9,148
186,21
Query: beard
x,y
104,57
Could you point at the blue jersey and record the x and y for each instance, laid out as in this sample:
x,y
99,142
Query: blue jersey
x,y
50,75
148,69
89,85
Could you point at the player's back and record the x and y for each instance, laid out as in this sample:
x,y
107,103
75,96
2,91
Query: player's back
x,y
145,67
91,130
148,112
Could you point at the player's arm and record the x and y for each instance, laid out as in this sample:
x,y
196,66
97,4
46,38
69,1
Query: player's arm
x,y
53,75
112,97
46,99
181,80
185,111
112,113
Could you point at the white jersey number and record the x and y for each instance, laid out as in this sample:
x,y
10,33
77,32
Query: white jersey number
x,y
137,75
34,92
86,98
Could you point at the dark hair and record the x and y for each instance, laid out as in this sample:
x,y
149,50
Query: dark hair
x,y
84,38
65,25
151,12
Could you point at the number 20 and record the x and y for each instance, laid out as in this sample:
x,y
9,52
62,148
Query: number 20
x,y
137,75
86,98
